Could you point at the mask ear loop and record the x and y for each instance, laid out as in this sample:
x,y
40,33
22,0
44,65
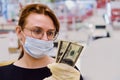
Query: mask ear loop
x,y
20,38
21,49
21,46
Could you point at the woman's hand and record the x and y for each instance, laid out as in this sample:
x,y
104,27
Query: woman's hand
x,y
61,71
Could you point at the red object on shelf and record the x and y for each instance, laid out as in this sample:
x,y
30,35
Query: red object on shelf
x,y
102,3
115,14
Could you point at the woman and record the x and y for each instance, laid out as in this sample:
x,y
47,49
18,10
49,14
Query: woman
x,y
37,28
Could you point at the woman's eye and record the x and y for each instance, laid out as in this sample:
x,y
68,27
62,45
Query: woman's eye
x,y
37,31
50,33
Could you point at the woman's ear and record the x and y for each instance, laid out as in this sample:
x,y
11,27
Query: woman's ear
x,y
18,32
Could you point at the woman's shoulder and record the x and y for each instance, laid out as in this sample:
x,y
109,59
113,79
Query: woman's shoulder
x,y
5,69
8,66
4,63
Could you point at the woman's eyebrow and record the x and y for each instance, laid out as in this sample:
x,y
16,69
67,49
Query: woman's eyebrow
x,y
51,30
38,27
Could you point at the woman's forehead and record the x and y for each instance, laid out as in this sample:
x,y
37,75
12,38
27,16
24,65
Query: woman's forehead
x,y
39,20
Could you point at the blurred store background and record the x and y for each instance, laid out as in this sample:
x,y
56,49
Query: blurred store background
x,y
88,22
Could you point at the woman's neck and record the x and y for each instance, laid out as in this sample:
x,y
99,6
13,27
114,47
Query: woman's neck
x,y
29,62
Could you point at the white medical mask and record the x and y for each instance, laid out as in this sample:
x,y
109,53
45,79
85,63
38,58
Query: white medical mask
x,y
37,48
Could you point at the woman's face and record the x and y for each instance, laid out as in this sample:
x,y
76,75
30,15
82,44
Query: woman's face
x,y
38,26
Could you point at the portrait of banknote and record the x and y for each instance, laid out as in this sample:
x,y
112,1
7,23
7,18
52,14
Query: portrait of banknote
x,y
62,46
71,54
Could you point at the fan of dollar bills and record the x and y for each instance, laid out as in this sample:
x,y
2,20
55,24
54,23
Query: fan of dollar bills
x,y
68,52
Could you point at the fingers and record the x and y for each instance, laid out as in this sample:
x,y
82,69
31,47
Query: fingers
x,y
61,71
50,78
62,67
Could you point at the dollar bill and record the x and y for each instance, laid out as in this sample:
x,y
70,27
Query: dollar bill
x,y
71,54
62,46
